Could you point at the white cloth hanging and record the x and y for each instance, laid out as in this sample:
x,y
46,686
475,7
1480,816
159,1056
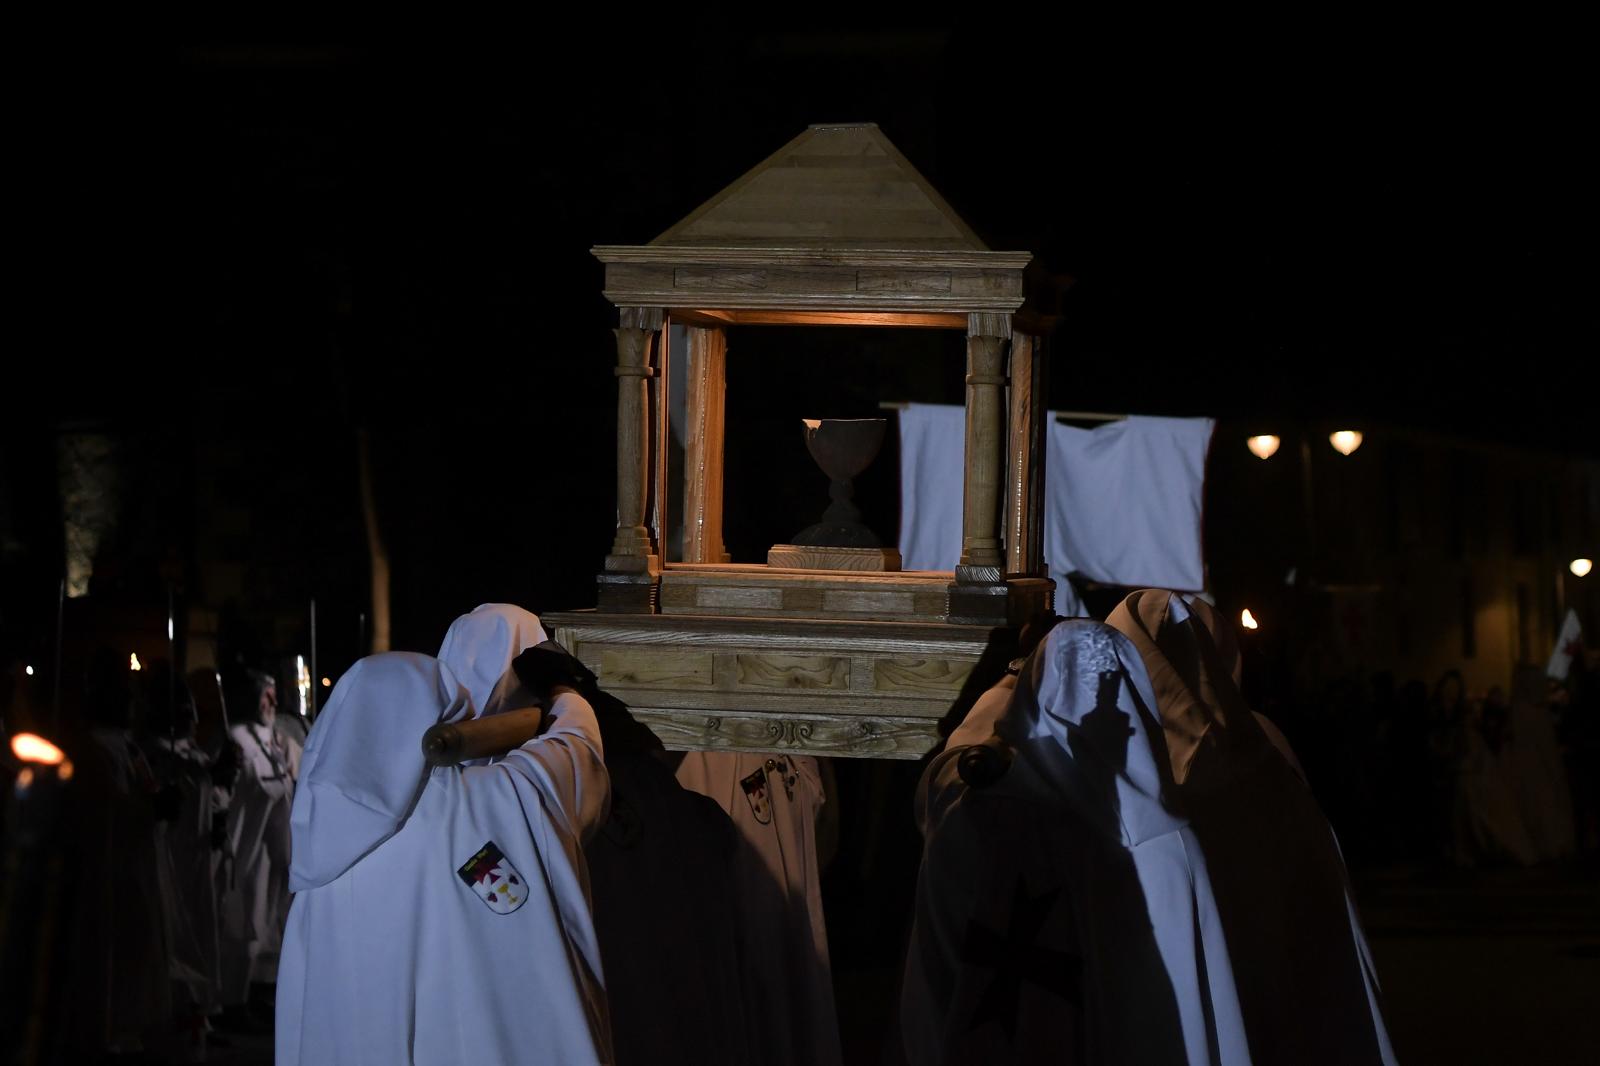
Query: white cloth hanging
x,y
932,463
1122,500
440,916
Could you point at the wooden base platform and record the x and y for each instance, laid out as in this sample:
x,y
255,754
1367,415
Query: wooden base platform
x,y
756,591
866,689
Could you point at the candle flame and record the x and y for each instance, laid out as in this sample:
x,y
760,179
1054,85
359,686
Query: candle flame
x,y
133,661
1248,620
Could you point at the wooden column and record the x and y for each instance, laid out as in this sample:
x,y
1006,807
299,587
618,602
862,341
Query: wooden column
x,y
979,592
629,581
988,337
703,448
1025,456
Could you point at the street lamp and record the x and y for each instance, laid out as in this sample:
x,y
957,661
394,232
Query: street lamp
x,y
1345,441
1263,446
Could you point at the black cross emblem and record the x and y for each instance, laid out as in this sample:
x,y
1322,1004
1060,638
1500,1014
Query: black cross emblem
x,y
1014,958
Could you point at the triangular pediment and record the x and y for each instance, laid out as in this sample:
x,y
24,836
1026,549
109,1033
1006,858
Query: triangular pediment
x,y
833,187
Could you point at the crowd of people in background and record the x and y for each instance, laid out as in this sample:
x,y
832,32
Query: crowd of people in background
x,y
182,824
1458,777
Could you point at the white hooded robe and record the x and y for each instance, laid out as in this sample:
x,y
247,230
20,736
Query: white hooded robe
x,y
440,916
1063,913
661,872
254,898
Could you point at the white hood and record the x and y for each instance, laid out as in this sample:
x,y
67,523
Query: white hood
x,y
1082,720
479,647
363,766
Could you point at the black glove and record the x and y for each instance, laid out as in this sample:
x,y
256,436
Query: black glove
x,y
548,665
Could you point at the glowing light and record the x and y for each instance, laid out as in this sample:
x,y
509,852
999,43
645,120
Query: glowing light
x,y
1345,441
24,779
1248,620
302,684
28,670
169,627
133,661
326,683
30,747
1581,567
1264,446
64,771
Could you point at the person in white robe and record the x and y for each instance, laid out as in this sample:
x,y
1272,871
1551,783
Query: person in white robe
x,y
1063,911
1308,989
187,843
254,900
661,870
774,800
441,915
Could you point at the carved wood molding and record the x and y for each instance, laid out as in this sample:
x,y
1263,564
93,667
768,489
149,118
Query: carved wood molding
x,y
731,255
834,735
890,638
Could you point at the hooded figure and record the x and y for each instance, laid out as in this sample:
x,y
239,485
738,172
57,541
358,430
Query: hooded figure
x,y
440,916
186,842
255,897
1307,988
661,871
1063,912
478,648
788,985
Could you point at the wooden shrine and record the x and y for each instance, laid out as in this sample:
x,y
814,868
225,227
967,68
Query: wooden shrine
x,y
835,228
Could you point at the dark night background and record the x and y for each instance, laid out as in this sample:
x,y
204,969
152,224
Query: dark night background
x,y
262,246
234,256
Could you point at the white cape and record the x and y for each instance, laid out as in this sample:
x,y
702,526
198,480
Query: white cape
x,y
1064,914
660,870
441,916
